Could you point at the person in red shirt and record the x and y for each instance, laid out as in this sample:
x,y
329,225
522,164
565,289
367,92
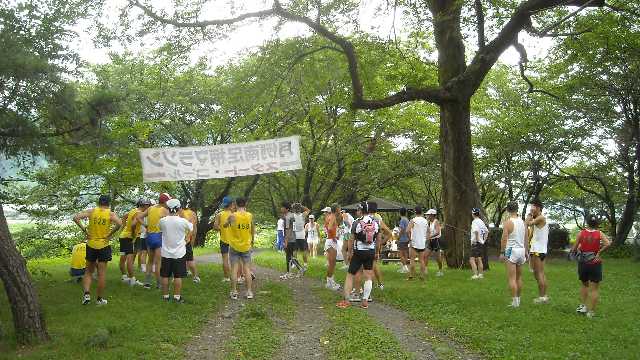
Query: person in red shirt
x,y
590,243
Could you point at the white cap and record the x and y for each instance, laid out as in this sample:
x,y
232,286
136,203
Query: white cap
x,y
327,209
432,212
173,204
311,216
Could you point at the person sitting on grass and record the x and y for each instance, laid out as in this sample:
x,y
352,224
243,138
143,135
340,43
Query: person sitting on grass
x,y
590,243
98,232
78,261
175,230
514,250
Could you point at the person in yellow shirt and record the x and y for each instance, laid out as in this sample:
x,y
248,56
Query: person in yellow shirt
x,y
240,243
99,231
78,261
187,213
221,218
128,235
153,214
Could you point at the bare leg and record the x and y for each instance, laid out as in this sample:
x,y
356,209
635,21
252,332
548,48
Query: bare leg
x,y
512,279
538,268
165,286
225,265
412,263
426,254
177,286
102,275
584,293
246,266
331,258
191,265
519,279
474,268
594,295
348,285
130,260
156,260
122,264
424,261
377,272
440,259
88,277
480,265
234,276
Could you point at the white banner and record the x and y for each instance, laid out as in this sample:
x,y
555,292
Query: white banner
x,y
221,161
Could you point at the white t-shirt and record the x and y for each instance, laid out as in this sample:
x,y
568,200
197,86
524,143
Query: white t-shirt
x,y
419,232
174,230
298,225
280,224
540,239
478,226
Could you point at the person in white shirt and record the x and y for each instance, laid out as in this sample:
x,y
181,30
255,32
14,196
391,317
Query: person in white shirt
x,y
417,231
434,245
312,229
479,232
174,247
538,251
514,250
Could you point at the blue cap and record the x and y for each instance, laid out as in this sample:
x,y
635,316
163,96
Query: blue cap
x,y
475,211
226,201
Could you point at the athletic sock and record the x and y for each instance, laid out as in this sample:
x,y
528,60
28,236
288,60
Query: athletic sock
x,y
177,297
517,301
166,297
143,268
367,289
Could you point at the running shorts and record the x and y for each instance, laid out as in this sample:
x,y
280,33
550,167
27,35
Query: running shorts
x,y
330,244
140,245
361,259
126,246
477,250
154,240
224,248
515,255
98,255
173,267
590,272
301,244
188,256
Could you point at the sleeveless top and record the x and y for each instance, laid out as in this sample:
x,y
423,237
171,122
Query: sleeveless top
x,y
590,242
516,238
99,228
540,239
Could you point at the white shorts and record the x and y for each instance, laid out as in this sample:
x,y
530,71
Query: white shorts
x,y
330,244
312,241
515,255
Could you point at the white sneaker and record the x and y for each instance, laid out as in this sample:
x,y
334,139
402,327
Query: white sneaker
x,y
196,279
234,296
582,309
124,278
481,276
381,286
541,300
86,299
249,295
475,277
440,273
101,302
336,287
226,280
285,276
591,314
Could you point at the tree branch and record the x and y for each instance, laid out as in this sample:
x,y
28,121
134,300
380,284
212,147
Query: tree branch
x,y
480,23
522,66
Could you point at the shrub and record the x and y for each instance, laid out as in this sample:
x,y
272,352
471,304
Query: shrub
x,y
558,237
625,251
47,240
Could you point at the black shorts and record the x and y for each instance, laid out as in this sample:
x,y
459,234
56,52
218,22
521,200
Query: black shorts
x,y
403,245
189,255
301,245
435,245
126,246
224,248
140,245
477,250
173,267
590,272
99,255
539,255
361,259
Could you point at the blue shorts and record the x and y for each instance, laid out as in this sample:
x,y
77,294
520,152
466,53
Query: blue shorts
x,y
224,248
235,256
154,240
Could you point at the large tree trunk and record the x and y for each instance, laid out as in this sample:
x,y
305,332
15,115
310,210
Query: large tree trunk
x,y
459,190
625,224
28,318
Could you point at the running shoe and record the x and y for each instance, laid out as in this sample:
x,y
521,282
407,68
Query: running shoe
x,y
591,314
86,299
364,304
226,280
541,300
249,295
253,276
480,276
166,298
135,282
343,304
582,309
439,273
381,286
475,277
196,279
101,301
147,286
179,301
234,296
124,278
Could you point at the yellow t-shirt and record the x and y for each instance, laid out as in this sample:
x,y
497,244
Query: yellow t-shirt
x,y
153,218
225,232
126,232
78,256
188,214
99,228
241,238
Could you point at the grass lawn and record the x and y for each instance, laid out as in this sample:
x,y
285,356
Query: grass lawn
x,y
256,335
475,313
135,323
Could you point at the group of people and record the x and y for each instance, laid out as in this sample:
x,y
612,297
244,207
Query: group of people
x,y
165,233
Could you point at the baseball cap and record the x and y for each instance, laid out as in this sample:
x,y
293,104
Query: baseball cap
x,y
144,201
226,201
164,197
173,204
311,216
475,211
431,212
327,209
104,200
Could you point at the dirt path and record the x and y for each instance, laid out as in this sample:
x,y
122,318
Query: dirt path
x,y
302,335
